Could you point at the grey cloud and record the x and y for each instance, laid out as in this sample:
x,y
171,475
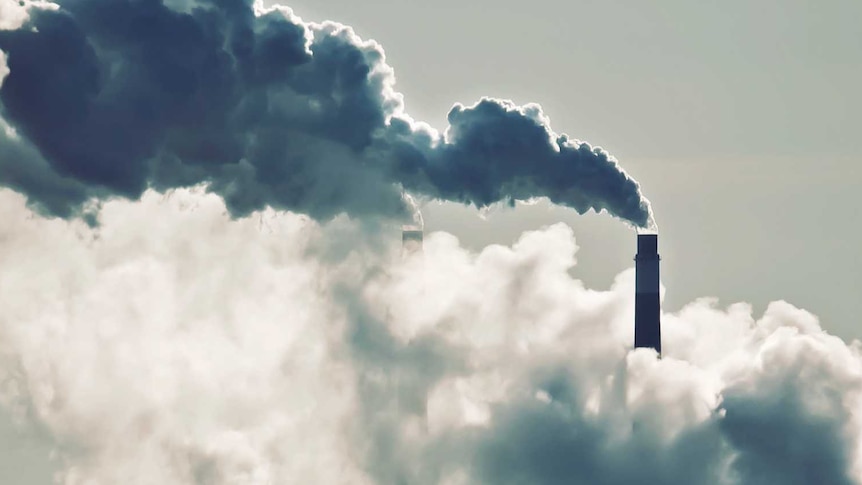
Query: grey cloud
x,y
497,151
26,171
789,418
119,96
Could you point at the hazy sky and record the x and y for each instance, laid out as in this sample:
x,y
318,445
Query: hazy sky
x,y
740,119
176,344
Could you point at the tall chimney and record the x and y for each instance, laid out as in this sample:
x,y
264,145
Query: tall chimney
x,y
411,239
647,306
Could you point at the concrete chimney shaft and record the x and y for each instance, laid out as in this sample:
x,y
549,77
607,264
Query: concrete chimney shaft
x,y
411,239
647,306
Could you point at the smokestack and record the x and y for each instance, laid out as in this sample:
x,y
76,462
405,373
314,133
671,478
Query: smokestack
x,y
647,306
411,239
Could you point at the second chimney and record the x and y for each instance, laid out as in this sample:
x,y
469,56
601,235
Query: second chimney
x,y
411,239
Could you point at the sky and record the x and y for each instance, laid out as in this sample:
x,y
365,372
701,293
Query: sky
x,y
203,278
739,119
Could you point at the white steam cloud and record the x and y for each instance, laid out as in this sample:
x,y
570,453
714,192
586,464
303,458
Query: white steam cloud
x,y
174,345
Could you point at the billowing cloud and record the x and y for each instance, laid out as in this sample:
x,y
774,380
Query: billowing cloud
x,y
172,344
111,97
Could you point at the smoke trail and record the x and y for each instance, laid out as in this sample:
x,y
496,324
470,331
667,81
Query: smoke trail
x,y
416,212
175,345
111,97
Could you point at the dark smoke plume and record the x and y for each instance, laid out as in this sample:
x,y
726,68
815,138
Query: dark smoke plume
x,y
111,97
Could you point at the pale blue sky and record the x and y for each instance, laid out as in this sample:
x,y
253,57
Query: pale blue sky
x,y
739,118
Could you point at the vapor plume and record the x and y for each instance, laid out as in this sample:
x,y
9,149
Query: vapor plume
x,y
107,98
173,344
